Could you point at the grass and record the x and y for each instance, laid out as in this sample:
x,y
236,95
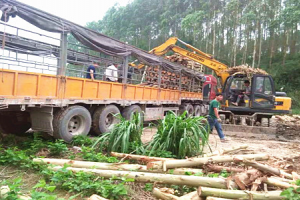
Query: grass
x,y
181,135
124,137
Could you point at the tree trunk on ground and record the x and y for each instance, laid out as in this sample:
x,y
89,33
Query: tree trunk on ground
x,y
138,157
169,164
278,183
159,178
217,168
114,166
96,197
239,194
164,196
215,198
225,151
268,169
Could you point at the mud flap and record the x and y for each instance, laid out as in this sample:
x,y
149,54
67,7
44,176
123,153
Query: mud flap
x,y
41,119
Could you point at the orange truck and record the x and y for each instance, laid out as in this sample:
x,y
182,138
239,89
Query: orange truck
x,y
43,84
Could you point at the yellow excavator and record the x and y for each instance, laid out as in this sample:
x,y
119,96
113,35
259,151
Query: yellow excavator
x,y
261,103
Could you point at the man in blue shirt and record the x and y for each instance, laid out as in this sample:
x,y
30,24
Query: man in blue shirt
x,y
91,70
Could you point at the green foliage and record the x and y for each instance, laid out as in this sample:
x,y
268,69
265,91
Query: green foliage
x,y
148,187
57,148
80,140
124,135
89,154
181,135
292,193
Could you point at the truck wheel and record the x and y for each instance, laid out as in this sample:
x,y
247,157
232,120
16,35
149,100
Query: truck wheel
x,y
105,118
75,120
197,111
264,122
187,107
16,123
128,111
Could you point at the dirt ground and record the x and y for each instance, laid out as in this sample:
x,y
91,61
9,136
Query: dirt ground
x,y
278,147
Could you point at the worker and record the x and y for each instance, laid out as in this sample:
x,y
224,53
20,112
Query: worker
x,y
214,119
245,95
91,70
111,73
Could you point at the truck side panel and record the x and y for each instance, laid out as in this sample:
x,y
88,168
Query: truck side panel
x,y
29,88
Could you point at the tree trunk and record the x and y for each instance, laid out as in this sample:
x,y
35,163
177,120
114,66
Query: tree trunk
x,y
138,157
158,178
217,168
260,44
169,164
268,169
191,196
164,196
285,47
255,44
215,198
278,183
114,166
96,197
239,194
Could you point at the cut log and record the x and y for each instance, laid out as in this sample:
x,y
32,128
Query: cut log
x,y
215,198
194,162
283,179
158,178
191,196
138,157
268,169
225,151
114,166
277,183
164,196
239,194
96,197
217,168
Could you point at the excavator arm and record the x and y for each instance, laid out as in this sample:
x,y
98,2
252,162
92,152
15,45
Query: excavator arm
x,y
197,55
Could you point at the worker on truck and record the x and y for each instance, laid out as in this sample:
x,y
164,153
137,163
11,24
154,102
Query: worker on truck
x,y
214,119
91,70
111,73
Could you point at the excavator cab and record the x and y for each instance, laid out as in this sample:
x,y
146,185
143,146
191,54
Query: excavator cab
x,y
261,95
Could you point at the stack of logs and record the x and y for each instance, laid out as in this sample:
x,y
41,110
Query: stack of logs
x,y
186,62
169,80
248,179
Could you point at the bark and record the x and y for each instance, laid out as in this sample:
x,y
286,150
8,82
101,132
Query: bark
x,y
217,168
226,151
277,183
268,169
245,179
114,166
168,164
96,197
239,194
138,157
158,178
164,196
215,198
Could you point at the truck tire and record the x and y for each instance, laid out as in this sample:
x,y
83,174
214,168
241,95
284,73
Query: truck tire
x,y
264,122
104,118
197,111
74,120
128,111
16,123
187,107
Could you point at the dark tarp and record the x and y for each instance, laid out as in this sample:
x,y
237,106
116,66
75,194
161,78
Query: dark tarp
x,y
92,39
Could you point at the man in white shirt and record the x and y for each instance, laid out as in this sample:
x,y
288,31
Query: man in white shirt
x,y
111,73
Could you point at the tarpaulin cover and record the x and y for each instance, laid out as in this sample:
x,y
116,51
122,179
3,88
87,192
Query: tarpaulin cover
x,y
92,39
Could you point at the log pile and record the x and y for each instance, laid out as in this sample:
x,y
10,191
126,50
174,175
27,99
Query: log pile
x,y
169,80
186,62
247,178
245,69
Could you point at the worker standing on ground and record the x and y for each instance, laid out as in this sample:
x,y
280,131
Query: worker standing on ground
x,y
91,70
214,119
